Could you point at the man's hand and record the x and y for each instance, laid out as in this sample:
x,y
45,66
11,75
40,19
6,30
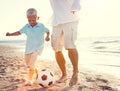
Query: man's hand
x,y
73,12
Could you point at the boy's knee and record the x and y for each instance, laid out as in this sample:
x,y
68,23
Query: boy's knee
x,y
30,67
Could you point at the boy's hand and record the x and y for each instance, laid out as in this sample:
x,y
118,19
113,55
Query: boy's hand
x,y
47,38
7,34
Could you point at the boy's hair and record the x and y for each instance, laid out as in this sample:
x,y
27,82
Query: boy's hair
x,y
31,11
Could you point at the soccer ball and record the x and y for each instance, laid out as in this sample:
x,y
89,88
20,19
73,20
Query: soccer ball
x,y
45,78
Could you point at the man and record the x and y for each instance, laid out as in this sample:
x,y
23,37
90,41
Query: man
x,y
65,21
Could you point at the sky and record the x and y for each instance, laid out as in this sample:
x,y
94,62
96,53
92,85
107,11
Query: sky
x,y
97,17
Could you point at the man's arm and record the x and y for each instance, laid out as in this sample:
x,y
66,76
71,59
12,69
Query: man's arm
x,y
75,6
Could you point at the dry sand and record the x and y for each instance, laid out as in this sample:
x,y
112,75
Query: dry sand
x,y
13,72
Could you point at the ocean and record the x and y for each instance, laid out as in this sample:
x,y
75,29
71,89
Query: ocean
x,y
105,45
101,54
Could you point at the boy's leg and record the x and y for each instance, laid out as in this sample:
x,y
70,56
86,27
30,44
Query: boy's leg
x,y
27,59
30,61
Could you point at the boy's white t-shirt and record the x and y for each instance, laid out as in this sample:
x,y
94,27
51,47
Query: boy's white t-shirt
x,y
62,11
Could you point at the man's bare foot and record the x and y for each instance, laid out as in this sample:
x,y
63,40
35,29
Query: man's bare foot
x,y
62,79
73,80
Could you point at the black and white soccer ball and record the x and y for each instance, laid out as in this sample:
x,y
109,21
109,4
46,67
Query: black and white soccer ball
x,y
45,78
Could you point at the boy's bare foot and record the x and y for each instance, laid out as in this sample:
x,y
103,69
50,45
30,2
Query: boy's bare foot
x,y
28,82
73,80
62,79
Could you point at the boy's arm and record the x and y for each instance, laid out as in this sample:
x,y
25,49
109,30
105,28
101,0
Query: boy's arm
x,y
13,34
47,36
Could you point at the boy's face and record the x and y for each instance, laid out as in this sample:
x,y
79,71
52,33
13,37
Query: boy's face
x,y
32,19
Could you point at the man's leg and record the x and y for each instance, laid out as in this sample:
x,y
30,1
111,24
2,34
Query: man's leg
x,y
73,55
62,65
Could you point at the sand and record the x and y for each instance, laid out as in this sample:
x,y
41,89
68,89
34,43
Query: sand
x,y
13,72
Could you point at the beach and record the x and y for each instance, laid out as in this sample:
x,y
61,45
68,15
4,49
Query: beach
x,y
13,72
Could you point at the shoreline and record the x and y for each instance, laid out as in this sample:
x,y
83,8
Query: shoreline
x,y
13,72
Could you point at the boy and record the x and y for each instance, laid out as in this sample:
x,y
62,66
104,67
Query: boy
x,y
35,41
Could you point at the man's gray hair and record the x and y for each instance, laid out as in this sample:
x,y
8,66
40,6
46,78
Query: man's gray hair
x,y
31,11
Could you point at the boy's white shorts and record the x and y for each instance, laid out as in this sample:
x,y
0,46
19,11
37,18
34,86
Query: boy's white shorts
x,y
64,35
32,57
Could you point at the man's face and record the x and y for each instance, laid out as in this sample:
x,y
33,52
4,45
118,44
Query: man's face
x,y
32,19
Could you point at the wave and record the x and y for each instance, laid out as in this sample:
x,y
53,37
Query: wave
x,y
9,42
